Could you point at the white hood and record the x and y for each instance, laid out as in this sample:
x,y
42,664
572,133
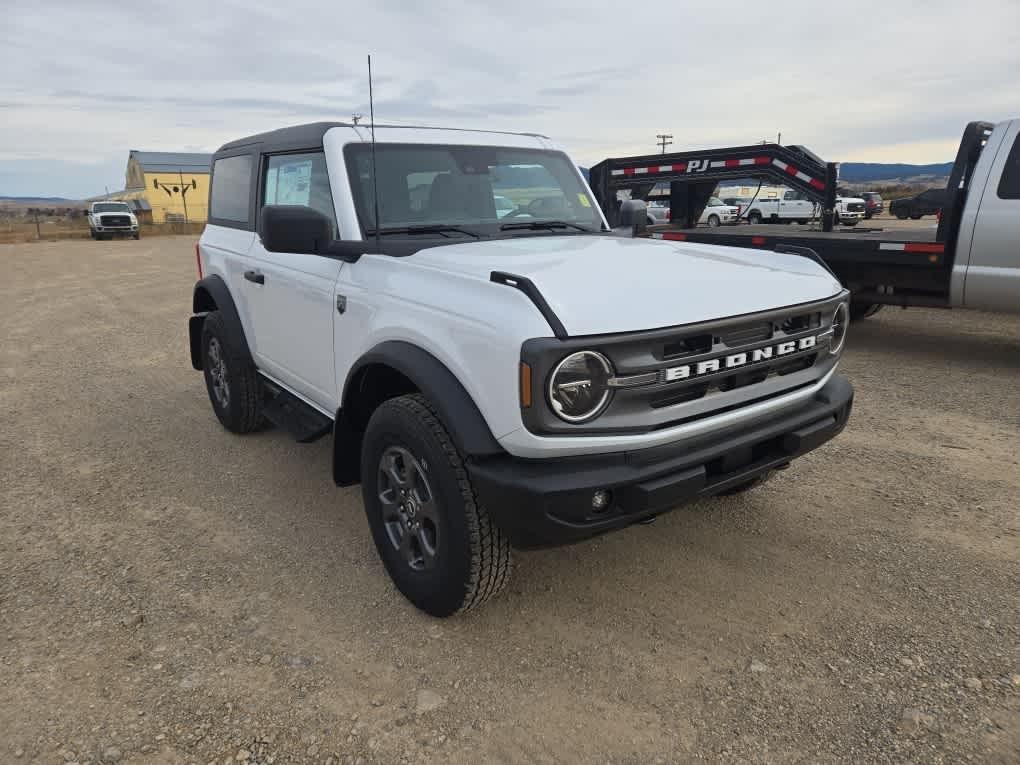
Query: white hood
x,y
606,284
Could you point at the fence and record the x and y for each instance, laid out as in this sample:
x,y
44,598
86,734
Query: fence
x,y
24,230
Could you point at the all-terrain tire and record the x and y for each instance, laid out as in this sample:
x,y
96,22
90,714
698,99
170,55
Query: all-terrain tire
x,y
241,409
472,558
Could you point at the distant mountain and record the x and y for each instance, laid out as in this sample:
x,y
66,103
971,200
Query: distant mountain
x,y
867,172
36,199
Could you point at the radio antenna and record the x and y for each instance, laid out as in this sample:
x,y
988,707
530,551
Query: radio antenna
x,y
375,175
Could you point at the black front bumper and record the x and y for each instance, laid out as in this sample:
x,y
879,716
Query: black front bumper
x,y
541,503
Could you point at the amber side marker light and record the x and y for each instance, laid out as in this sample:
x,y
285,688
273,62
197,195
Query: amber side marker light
x,y
525,385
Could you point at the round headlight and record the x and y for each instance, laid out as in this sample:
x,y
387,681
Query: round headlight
x,y
579,386
840,322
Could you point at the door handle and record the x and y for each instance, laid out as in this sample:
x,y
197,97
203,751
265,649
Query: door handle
x,y
255,276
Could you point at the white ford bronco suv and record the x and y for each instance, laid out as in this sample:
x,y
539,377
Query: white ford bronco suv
x,y
498,375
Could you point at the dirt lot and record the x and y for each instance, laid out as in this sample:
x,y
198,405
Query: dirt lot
x,y
171,593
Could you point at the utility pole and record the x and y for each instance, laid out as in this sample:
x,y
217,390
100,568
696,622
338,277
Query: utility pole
x,y
184,194
664,140
356,118
779,138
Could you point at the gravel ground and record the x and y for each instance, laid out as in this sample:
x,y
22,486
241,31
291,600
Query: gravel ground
x,y
170,593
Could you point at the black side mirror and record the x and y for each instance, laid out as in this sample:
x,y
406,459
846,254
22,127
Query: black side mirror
x,y
294,228
634,215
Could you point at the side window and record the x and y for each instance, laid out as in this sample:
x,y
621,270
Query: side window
x,y
231,187
1009,183
789,195
299,179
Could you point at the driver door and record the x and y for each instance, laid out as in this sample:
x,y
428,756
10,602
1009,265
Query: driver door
x,y
292,293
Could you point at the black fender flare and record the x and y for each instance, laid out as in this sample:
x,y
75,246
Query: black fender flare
x,y
212,294
453,404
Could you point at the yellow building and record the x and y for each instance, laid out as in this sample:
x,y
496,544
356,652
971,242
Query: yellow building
x,y
174,186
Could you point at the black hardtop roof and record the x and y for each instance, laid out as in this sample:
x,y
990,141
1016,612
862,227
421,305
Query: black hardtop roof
x,y
310,135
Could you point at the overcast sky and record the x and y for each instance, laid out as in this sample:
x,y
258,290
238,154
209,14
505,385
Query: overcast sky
x,y
83,82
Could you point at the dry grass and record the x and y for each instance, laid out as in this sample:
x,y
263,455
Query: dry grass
x,y
52,231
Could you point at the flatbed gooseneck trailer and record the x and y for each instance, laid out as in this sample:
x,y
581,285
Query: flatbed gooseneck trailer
x,y
971,260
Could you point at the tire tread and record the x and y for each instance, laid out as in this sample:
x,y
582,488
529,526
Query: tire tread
x,y
246,390
491,561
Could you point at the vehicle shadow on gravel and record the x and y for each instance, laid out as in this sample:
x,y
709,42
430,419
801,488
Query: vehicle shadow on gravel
x,y
936,342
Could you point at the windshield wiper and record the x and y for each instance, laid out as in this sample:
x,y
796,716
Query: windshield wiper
x,y
438,229
538,225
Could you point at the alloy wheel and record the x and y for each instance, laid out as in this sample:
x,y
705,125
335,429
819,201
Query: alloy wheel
x,y
410,511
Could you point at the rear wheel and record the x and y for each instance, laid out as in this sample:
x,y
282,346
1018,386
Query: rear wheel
x,y
230,377
754,217
901,216
859,311
915,217
713,221
435,539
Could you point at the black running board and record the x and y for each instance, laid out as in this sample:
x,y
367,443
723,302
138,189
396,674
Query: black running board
x,y
287,412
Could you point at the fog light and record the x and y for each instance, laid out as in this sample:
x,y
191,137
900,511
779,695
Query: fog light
x,y
600,500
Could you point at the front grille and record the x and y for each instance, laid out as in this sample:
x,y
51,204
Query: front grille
x,y
672,375
855,207
723,383
116,220
748,333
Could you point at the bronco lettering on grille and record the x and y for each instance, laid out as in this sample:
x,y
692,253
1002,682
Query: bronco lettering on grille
x,y
735,360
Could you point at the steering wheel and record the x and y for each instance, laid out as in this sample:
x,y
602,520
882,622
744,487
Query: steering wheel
x,y
517,212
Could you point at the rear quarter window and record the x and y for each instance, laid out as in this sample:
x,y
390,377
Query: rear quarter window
x,y
231,189
1009,183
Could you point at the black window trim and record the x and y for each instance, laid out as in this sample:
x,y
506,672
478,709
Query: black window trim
x,y
263,171
249,150
1012,163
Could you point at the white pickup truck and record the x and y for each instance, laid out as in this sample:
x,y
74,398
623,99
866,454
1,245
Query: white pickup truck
x,y
795,207
493,377
110,219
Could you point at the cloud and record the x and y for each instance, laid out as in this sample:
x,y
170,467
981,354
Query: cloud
x,y
82,82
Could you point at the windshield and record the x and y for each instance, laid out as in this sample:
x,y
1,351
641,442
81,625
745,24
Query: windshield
x,y
110,207
715,202
474,188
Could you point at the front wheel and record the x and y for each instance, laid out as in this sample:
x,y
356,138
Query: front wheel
x,y
713,221
901,216
435,539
